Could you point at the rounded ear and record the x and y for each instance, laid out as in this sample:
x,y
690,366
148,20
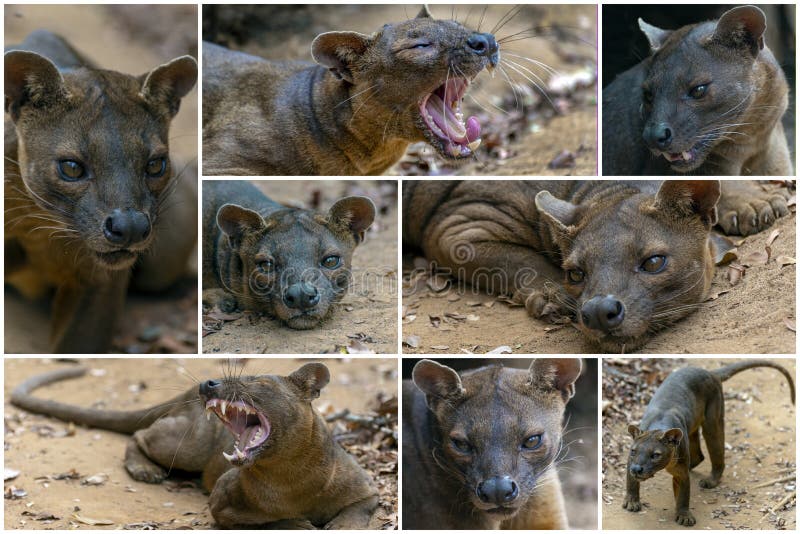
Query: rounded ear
x,y
634,431
742,27
338,50
672,436
436,381
558,373
168,83
689,198
311,378
424,13
30,79
560,212
235,220
354,213
655,36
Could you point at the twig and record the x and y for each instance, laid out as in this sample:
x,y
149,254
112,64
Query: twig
x,y
771,482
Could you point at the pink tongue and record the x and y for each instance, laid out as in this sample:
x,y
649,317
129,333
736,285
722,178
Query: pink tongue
x,y
473,129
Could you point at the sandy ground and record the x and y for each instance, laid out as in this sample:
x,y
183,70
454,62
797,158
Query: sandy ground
x,y
760,447
367,314
40,447
287,34
129,39
749,318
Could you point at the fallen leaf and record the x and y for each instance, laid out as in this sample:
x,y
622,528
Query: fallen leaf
x,y
440,347
717,294
13,493
90,521
735,273
790,324
95,480
10,474
783,261
760,257
472,317
438,282
504,349
435,320
773,236
355,346
411,341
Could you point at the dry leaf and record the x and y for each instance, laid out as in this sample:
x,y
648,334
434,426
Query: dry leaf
x,y
438,282
435,320
783,261
95,480
411,341
9,474
735,273
773,236
92,522
504,349
790,324
760,257
440,347
355,346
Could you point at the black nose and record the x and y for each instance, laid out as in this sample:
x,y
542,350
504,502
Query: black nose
x,y
301,296
603,313
209,388
128,227
483,44
498,490
636,469
658,136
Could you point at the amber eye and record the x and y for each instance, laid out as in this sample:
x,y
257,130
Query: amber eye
x,y
156,167
533,442
331,262
575,276
461,445
654,264
698,91
266,266
70,170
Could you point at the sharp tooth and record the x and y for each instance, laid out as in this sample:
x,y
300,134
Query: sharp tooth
x,y
223,405
208,415
687,156
474,145
227,456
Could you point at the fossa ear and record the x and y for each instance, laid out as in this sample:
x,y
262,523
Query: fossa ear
x,y
235,220
31,79
742,27
354,213
690,198
310,379
424,13
167,84
338,51
672,436
558,373
655,36
437,382
634,431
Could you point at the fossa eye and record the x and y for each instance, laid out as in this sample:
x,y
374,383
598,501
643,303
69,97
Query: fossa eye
x,y
331,262
532,442
156,167
575,276
266,266
461,445
654,264
698,91
70,170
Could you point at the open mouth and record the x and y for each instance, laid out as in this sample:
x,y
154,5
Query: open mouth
x,y
442,115
117,259
683,161
249,427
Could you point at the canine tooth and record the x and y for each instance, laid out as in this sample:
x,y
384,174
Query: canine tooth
x,y
227,456
208,415
223,405
686,156
474,145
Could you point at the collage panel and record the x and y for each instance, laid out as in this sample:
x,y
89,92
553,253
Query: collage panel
x,y
508,443
101,179
702,91
399,90
740,475
703,266
304,267
295,443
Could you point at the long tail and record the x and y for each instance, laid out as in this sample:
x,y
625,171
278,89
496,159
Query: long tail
x,y
118,421
724,373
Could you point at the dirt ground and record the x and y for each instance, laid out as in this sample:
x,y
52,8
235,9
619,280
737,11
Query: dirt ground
x,y
759,447
42,448
365,319
129,39
519,139
751,317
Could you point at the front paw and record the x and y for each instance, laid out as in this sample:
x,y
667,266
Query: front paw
x,y
632,504
749,209
685,518
219,299
149,473
709,483
547,304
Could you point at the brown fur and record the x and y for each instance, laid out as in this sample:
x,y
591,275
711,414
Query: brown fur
x,y
354,113
115,125
731,128
668,436
259,255
464,434
520,238
298,478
